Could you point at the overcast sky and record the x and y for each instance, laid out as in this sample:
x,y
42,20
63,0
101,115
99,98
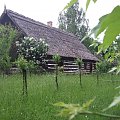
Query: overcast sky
x,y
48,10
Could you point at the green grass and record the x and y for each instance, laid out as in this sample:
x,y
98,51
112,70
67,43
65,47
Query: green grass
x,y
42,94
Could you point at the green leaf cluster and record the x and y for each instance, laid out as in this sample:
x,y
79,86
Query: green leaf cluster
x,y
115,102
22,63
103,66
88,2
7,36
57,58
70,4
72,110
110,25
79,62
74,1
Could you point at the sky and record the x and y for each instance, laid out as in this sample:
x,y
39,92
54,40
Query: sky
x,y
48,10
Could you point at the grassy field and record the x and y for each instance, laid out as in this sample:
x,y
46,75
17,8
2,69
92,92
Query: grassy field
x,y
42,94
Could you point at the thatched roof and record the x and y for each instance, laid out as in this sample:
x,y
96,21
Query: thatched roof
x,y
63,43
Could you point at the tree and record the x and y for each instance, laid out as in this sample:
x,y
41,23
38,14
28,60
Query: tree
x,y
32,49
31,52
56,58
79,63
73,20
23,65
7,35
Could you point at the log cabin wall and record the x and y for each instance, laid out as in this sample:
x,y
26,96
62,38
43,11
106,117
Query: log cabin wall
x,y
69,65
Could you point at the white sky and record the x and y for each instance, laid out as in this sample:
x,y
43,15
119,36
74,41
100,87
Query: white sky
x,y
48,10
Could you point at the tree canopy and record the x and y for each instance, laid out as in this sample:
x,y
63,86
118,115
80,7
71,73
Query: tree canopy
x,y
73,20
7,35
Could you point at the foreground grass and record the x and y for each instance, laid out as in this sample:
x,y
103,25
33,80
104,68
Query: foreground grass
x,y
42,94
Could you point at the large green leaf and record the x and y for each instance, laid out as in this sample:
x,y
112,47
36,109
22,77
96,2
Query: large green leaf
x,y
115,102
72,2
108,19
88,2
110,24
94,1
112,31
113,69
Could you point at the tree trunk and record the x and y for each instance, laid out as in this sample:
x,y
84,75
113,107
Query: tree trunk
x,y
56,77
112,78
24,82
3,74
80,76
97,78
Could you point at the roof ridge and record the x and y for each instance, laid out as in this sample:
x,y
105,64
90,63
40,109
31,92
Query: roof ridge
x,y
27,18
37,22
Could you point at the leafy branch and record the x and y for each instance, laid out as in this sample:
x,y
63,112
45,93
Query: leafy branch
x,y
72,110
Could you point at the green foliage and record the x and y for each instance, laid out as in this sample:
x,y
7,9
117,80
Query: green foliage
x,y
7,35
109,23
103,66
73,109
79,62
88,2
22,63
57,58
88,42
94,45
70,4
5,64
115,102
31,65
115,69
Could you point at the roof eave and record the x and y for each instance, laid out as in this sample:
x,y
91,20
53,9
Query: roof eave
x,y
17,26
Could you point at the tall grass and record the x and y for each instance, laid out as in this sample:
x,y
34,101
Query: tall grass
x,y
42,94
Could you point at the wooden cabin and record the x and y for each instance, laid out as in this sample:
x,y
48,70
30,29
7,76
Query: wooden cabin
x,y
60,42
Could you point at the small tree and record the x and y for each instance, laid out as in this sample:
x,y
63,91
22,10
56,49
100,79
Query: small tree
x,y
23,65
102,67
98,71
79,63
5,65
31,52
56,58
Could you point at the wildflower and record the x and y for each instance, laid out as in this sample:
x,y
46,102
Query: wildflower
x,y
17,43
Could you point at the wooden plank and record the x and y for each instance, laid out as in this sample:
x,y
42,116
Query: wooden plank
x,y
70,68
70,65
51,68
